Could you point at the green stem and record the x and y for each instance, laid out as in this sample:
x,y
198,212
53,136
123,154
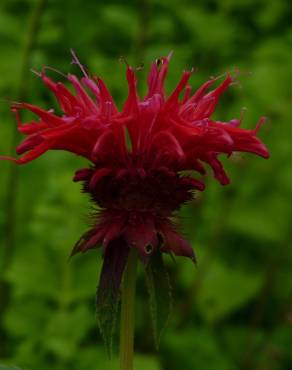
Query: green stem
x,y
128,313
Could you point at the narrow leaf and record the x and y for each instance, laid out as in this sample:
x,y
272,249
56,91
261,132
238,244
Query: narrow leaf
x,y
108,291
160,297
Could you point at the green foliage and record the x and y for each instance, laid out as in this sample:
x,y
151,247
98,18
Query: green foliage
x,y
224,289
195,349
233,311
160,295
108,292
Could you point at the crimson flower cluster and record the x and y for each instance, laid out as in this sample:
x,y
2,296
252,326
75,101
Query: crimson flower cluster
x,y
142,158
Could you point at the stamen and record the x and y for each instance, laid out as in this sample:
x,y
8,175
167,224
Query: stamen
x,y
77,62
122,59
260,123
242,113
158,62
169,55
36,72
139,67
54,70
9,101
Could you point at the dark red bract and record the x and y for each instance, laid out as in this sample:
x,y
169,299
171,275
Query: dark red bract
x,y
138,155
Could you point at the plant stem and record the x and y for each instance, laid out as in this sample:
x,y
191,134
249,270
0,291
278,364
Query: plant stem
x,y
128,313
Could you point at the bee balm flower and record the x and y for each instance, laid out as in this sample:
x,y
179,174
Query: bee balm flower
x,y
138,156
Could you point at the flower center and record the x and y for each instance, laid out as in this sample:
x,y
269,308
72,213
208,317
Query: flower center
x,y
158,191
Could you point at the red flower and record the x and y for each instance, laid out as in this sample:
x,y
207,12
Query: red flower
x,y
138,154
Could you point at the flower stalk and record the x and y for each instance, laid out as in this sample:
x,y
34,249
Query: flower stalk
x,y
128,313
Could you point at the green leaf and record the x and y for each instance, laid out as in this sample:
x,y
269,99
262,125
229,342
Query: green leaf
x,y
108,291
194,348
224,289
90,356
145,362
4,367
61,340
160,297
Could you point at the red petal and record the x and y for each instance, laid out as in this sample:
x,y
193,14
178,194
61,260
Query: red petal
x,y
36,152
173,99
143,236
47,117
176,244
97,176
131,105
217,167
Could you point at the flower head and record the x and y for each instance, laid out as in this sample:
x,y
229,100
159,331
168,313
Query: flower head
x,y
138,156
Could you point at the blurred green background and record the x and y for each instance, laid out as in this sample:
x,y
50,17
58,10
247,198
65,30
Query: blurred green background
x,y
233,311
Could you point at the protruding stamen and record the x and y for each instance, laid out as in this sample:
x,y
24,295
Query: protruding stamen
x,y
54,70
77,62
